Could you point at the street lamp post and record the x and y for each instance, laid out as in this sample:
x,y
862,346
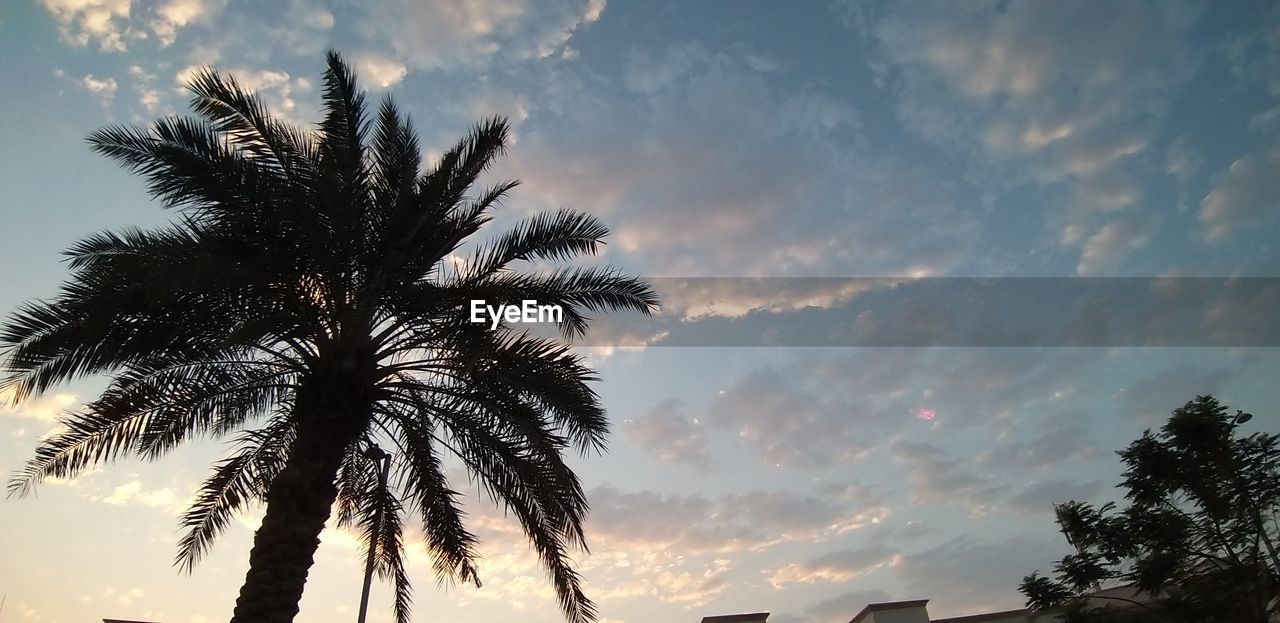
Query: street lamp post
x,y
381,456
1240,418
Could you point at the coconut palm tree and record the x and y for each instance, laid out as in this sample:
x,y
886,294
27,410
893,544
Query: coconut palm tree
x,y
309,303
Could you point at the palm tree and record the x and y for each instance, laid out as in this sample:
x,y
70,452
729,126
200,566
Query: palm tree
x,y
311,303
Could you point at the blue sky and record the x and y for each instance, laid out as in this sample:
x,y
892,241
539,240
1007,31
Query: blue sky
x,y
716,139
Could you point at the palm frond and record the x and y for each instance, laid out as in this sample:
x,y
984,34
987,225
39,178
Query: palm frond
x,y
556,236
452,546
236,481
244,119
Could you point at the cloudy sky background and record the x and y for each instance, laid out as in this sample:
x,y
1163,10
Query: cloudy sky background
x,y
716,139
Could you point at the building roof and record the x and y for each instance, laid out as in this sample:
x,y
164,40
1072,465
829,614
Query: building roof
x,y
754,617
981,618
888,605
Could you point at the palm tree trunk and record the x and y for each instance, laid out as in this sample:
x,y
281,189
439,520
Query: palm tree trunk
x,y
298,504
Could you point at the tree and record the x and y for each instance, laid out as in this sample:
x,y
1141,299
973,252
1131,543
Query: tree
x,y
305,305
1197,539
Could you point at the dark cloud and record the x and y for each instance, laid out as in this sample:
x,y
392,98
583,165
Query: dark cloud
x,y
695,524
1149,400
966,576
1039,498
915,530
824,409
935,478
1062,437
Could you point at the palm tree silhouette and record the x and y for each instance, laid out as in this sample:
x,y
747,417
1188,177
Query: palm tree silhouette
x,y
311,303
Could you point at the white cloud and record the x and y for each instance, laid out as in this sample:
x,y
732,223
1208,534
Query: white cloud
x,y
379,69
173,15
1247,194
80,22
692,589
47,408
1112,243
112,24
594,9
775,190
1024,98
277,88
106,87
133,493
149,97
836,567
311,16
436,35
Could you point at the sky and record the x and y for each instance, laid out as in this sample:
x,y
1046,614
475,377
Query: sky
x,y
726,139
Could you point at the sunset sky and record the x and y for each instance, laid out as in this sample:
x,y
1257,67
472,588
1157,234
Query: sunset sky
x,y
716,139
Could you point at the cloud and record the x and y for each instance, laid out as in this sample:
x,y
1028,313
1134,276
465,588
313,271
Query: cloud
x,y
149,97
1148,401
772,416
838,609
277,88
964,575
690,299
646,73
753,521
915,530
845,605
80,22
667,435
438,35
935,478
1112,243
692,589
379,69
104,87
1062,438
1246,195
824,410
1039,497
790,426
112,24
838,566
133,493
1182,160
123,597
173,15
1014,89
755,180
47,408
